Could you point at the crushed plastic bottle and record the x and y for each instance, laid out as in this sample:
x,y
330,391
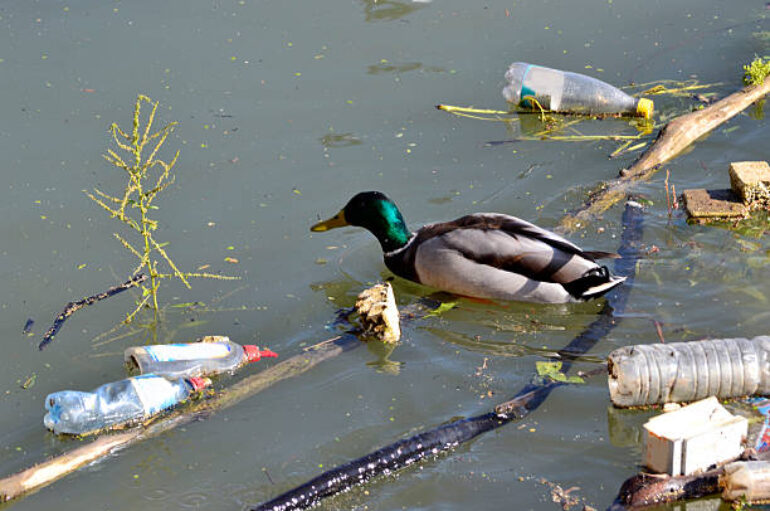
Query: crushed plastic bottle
x,y
563,91
120,403
193,359
650,374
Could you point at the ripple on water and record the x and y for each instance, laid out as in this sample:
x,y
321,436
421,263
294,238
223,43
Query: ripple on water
x,y
157,494
194,500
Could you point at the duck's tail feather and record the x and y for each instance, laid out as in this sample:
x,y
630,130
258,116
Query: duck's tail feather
x,y
593,284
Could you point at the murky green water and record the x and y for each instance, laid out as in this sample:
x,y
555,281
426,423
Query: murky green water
x,y
286,109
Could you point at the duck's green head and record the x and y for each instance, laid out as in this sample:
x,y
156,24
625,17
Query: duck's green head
x,y
375,212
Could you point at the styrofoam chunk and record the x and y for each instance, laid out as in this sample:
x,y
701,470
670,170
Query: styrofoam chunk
x,y
693,438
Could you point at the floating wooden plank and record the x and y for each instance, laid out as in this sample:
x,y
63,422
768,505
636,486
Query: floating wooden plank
x,y
704,205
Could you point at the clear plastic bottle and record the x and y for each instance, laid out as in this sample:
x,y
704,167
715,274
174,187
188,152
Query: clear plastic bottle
x,y
746,481
119,403
651,374
563,91
193,359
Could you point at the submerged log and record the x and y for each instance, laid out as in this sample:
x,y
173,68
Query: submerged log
x,y
674,138
433,442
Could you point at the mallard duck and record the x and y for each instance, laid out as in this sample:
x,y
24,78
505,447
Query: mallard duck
x,y
482,255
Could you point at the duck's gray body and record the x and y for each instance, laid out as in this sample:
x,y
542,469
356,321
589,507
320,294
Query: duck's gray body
x,y
491,255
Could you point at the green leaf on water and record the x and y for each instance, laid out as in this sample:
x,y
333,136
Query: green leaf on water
x,y
29,381
644,202
552,370
186,304
441,309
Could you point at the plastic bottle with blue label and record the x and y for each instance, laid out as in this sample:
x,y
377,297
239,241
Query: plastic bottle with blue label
x,y
193,359
120,403
562,91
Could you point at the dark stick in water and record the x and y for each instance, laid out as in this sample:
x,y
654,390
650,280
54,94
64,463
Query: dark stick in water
x,y
430,443
72,307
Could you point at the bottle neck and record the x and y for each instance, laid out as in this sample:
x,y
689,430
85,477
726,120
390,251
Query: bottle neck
x,y
198,383
252,353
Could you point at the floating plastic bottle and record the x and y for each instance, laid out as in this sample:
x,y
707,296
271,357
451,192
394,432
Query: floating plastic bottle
x,y
193,359
747,481
563,91
119,403
689,371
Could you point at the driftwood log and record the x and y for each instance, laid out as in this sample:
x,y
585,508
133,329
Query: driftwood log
x,y
675,137
43,474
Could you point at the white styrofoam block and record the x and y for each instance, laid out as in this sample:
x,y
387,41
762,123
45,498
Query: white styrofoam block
x,y
693,438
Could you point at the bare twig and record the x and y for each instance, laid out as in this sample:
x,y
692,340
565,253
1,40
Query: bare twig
x,y
73,307
659,331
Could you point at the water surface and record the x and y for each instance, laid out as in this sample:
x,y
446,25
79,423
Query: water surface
x,y
287,109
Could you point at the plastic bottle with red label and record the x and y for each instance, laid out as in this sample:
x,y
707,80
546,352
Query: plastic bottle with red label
x,y
115,404
193,359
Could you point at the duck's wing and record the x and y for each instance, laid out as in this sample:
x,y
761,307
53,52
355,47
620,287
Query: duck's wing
x,y
509,244
518,228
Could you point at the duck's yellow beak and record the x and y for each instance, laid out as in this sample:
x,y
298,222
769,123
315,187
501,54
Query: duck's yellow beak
x,y
337,220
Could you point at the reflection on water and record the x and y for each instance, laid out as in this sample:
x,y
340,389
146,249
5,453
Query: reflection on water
x,y
388,10
390,67
625,426
340,140
383,353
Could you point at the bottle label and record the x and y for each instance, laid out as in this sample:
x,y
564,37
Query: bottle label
x,y
194,351
543,84
155,393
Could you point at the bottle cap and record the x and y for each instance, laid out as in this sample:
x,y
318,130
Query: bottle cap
x,y
253,353
199,383
645,107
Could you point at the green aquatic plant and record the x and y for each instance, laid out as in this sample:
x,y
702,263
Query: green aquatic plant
x,y
147,175
756,72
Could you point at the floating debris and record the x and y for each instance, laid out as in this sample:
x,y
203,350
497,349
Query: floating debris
x,y
750,180
379,314
746,481
693,438
705,205
653,374
750,189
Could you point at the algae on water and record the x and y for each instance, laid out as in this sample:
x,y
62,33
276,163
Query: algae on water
x,y
756,72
